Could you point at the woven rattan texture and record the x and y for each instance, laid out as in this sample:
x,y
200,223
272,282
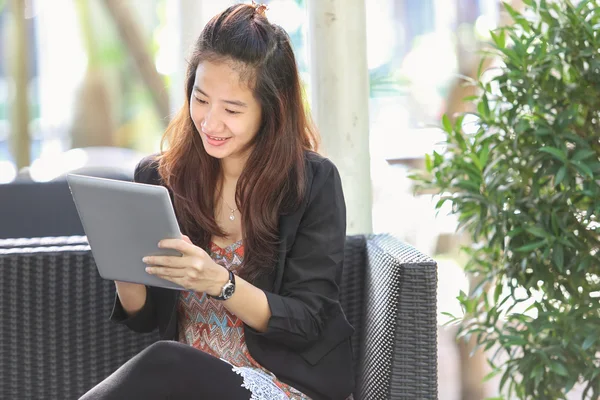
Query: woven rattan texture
x,y
399,353
56,339
352,291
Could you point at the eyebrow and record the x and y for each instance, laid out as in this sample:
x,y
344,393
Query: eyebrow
x,y
233,102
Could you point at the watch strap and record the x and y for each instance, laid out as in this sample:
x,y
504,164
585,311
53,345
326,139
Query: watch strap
x,y
230,281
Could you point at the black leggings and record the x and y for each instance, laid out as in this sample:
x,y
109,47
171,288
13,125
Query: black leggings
x,y
171,370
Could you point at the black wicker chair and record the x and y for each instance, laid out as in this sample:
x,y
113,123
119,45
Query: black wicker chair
x,y
56,341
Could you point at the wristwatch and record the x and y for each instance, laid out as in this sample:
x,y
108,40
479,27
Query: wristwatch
x,y
227,290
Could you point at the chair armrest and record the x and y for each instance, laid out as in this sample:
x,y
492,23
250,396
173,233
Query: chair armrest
x,y
56,338
399,353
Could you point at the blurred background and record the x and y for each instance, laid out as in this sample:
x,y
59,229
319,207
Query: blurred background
x,y
87,83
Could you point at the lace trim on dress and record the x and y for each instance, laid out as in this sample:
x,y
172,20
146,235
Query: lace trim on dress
x,y
259,384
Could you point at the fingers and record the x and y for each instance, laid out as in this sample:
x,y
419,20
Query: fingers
x,y
180,245
172,275
187,239
166,261
165,272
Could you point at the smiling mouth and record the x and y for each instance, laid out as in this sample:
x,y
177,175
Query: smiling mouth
x,y
219,139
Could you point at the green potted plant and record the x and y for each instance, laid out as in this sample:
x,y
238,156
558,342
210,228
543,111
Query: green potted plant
x,y
524,181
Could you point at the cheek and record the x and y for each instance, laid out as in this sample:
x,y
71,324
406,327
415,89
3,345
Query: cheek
x,y
196,113
246,129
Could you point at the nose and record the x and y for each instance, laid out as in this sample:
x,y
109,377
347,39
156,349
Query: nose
x,y
211,123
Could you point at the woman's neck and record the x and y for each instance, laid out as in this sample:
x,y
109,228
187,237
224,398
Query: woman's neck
x,y
232,168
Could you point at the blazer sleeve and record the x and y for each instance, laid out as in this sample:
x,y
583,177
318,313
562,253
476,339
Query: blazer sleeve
x,y
309,296
145,320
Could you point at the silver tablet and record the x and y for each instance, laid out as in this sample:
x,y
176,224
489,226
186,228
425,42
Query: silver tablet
x,y
124,221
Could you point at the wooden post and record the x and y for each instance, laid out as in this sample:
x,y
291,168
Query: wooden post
x,y
340,99
20,74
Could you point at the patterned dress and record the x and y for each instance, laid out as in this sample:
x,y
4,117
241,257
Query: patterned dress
x,y
205,324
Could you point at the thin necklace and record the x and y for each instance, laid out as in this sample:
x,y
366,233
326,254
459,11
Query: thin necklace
x,y
233,210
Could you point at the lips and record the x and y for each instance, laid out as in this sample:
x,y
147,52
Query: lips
x,y
216,140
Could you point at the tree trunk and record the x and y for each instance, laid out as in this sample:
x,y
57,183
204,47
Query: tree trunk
x,y
137,47
94,122
21,142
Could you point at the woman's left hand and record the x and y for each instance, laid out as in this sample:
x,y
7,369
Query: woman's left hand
x,y
194,270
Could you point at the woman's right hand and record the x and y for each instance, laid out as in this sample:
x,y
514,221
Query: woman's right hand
x,y
131,295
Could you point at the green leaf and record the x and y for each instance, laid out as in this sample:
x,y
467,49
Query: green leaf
x,y
555,224
469,99
512,340
514,232
499,39
446,123
538,370
571,382
543,131
555,152
589,341
476,161
441,202
428,163
583,154
558,256
491,374
558,368
536,231
560,175
531,246
485,107
458,122
485,152
468,186
584,169
497,293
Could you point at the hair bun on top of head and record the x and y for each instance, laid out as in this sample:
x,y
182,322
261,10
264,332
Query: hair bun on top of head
x,y
259,8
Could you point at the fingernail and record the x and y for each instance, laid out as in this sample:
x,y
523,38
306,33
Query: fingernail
x,y
149,270
160,244
145,259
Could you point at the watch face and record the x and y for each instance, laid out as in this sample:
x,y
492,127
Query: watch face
x,y
228,290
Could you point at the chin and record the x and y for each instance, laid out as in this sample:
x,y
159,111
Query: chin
x,y
216,153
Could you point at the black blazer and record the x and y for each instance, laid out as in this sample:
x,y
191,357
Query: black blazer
x,y
307,342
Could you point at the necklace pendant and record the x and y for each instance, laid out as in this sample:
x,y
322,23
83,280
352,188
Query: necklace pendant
x,y
232,217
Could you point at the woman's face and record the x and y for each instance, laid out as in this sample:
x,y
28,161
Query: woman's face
x,y
224,110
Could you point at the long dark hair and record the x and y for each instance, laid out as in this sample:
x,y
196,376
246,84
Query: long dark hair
x,y
273,180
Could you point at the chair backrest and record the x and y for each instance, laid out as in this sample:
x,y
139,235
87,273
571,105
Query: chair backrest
x,y
57,341
42,209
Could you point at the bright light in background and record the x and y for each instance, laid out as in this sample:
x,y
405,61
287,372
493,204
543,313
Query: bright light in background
x,y
380,25
8,172
166,55
285,13
483,26
45,169
62,61
428,66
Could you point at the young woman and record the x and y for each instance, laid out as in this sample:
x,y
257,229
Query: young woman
x,y
264,219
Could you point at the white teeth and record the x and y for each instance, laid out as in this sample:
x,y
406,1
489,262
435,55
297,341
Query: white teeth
x,y
219,139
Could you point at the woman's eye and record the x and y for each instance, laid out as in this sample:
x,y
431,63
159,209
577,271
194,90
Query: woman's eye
x,y
232,112
201,101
